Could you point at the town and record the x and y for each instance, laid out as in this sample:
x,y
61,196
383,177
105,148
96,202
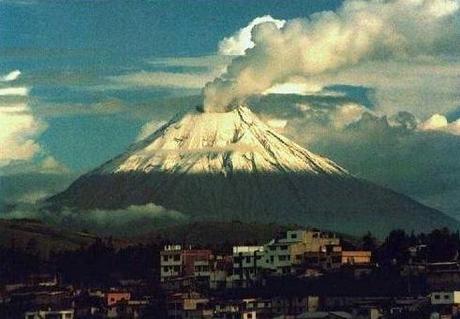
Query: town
x,y
299,273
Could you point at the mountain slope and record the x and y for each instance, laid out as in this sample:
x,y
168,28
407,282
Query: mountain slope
x,y
232,166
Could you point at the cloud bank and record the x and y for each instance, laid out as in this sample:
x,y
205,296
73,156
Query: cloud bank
x,y
399,151
131,221
326,42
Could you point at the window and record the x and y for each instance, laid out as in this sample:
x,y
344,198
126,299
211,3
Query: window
x,y
248,259
437,297
176,257
284,247
293,236
446,296
68,316
272,259
165,258
249,315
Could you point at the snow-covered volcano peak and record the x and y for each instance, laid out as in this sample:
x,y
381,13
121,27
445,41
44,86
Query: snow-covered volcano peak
x,y
203,142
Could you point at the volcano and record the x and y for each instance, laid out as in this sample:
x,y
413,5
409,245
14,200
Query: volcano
x,y
232,166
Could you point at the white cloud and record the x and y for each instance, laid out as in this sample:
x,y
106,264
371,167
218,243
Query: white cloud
x,y
300,87
13,75
435,122
132,220
348,114
19,130
239,42
438,122
49,165
421,86
18,91
17,135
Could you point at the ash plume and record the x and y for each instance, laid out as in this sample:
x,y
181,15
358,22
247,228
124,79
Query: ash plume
x,y
328,41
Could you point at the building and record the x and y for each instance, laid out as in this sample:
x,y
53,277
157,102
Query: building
x,y
358,257
220,274
178,262
294,305
171,262
127,309
248,261
327,258
188,305
445,298
114,296
445,304
50,314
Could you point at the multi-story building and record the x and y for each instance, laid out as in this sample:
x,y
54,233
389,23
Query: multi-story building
x,y
284,254
247,264
171,262
178,262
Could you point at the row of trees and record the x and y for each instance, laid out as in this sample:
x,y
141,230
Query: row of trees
x,y
440,245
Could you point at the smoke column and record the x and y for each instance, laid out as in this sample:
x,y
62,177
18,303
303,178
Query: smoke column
x,y
329,41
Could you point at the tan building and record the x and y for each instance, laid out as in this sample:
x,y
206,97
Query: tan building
x,y
358,257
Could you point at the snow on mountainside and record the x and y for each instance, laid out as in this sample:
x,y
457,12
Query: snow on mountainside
x,y
219,143
232,166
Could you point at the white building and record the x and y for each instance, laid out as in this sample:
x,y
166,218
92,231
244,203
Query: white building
x,y
50,314
171,262
445,298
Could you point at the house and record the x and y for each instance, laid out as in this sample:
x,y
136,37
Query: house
x,y
251,308
294,305
445,298
50,314
127,309
356,257
114,296
188,305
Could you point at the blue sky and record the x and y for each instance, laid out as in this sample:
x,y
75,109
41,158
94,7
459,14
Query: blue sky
x,y
97,73
85,41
